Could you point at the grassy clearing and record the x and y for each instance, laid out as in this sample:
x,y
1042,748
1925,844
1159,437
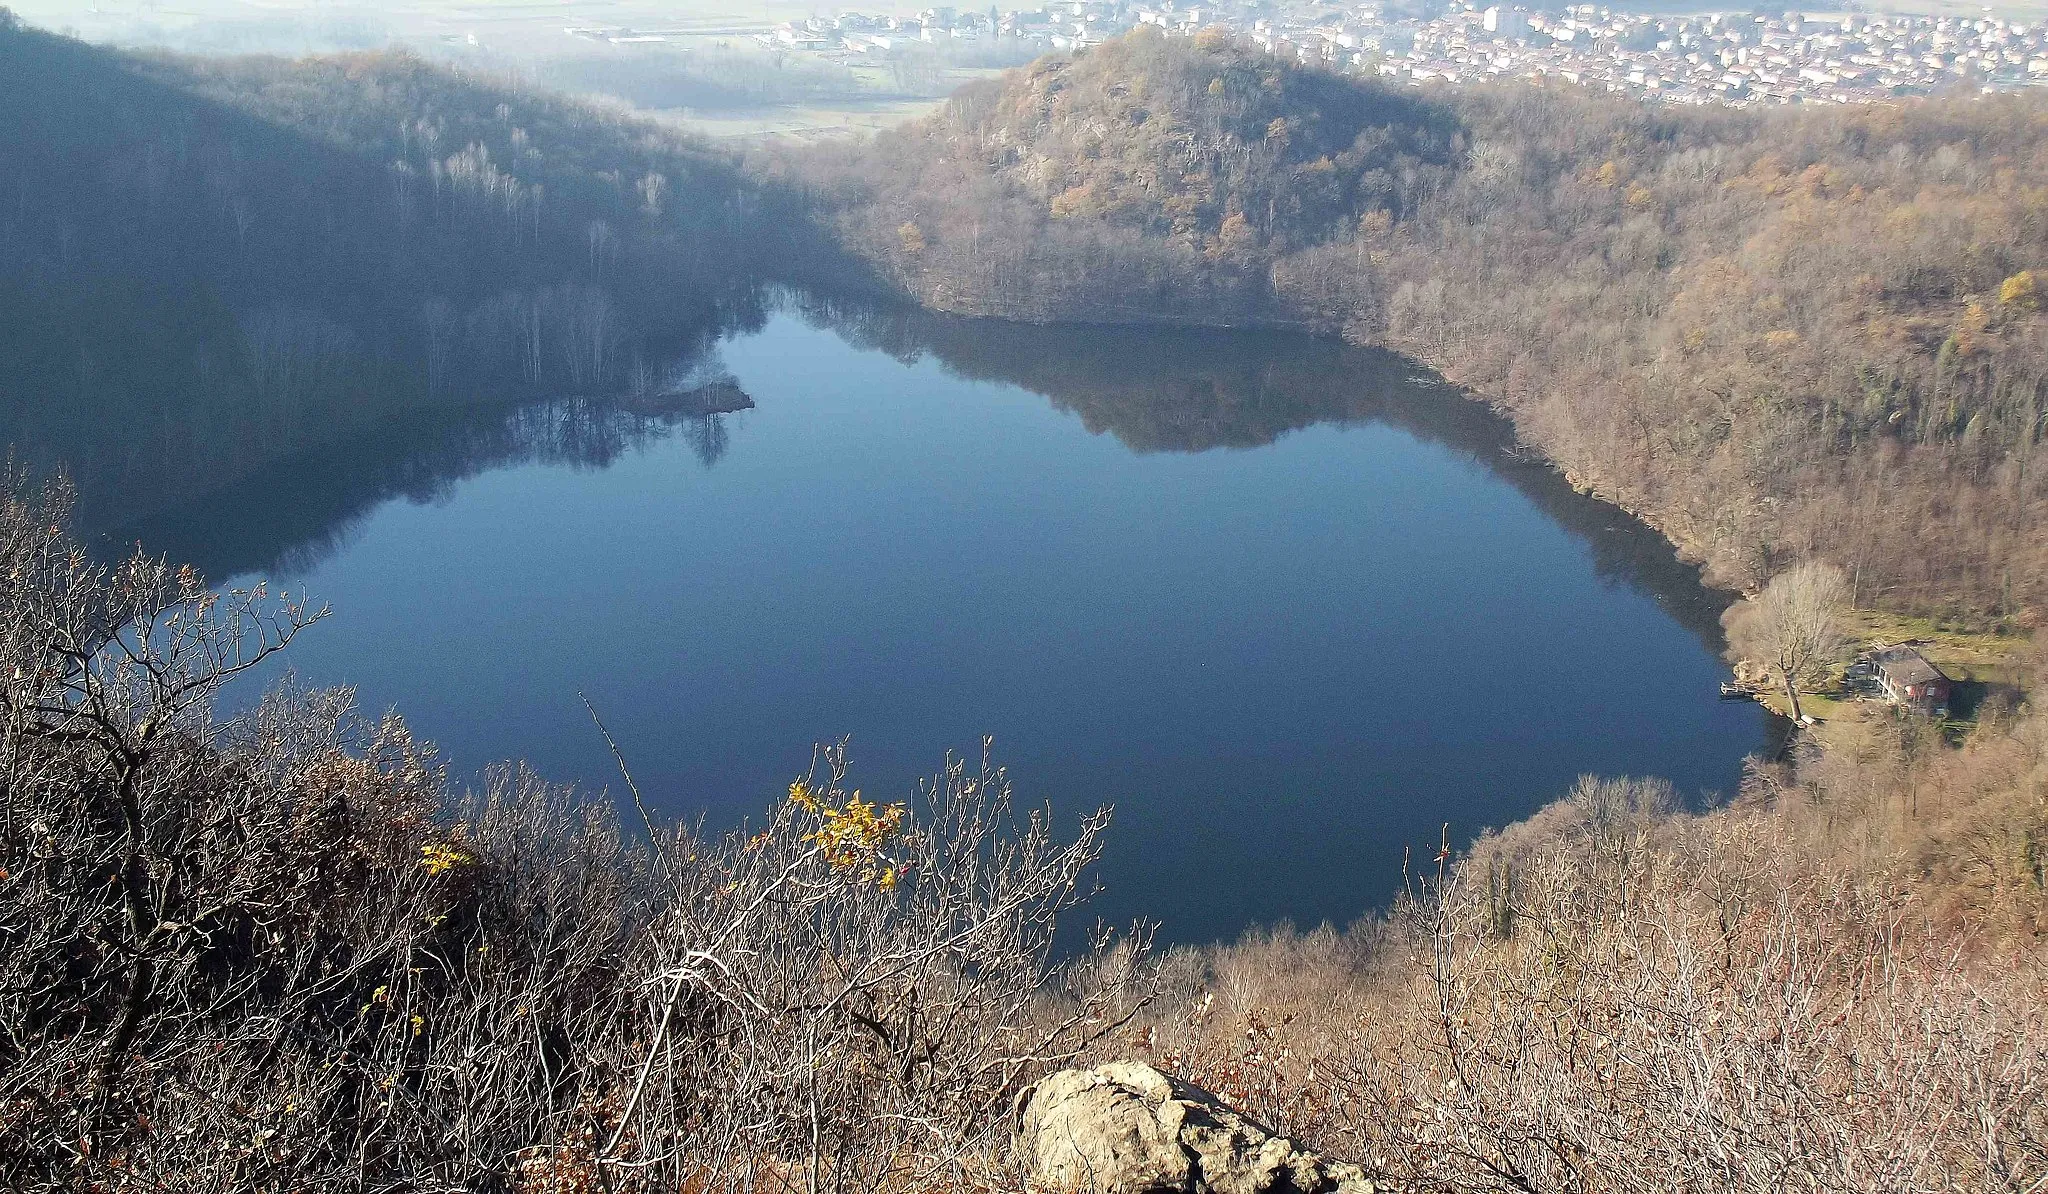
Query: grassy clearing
x,y
1820,706
1967,656
1835,716
1941,641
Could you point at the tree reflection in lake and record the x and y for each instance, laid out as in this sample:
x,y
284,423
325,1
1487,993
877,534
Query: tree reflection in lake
x,y
1155,390
1290,604
1196,390
296,512
234,476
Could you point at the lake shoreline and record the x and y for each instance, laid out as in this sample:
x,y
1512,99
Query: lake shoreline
x,y
1220,564
1667,525
1782,733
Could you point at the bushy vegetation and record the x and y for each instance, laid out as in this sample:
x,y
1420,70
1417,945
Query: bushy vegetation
x,y
1614,996
1804,344
282,951
1775,334
279,952
1219,151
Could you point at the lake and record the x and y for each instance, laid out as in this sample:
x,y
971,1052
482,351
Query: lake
x,y
1290,607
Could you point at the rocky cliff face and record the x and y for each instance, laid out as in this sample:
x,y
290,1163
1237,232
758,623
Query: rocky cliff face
x,y
1126,1128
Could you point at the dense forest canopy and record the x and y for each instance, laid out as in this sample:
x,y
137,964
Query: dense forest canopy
x,y
1218,150
1773,333
216,263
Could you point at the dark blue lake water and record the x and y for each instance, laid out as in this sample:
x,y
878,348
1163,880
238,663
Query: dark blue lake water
x,y
1290,607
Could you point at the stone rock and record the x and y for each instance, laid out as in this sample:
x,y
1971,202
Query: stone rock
x,y
1126,1128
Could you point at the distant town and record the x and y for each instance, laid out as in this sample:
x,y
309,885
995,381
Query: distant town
x,y
1697,58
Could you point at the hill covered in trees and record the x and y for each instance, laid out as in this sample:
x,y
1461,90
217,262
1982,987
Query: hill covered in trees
x,y
1773,334
212,264
1144,180
282,950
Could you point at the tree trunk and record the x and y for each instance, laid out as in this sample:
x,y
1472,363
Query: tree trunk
x,y
1792,692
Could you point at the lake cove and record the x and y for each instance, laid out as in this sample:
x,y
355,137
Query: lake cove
x,y
1291,607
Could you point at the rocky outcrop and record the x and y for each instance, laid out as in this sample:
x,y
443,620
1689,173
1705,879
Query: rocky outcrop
x,y
1126,1128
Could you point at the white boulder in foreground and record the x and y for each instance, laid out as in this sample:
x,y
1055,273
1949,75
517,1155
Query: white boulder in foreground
x,y
1126,1128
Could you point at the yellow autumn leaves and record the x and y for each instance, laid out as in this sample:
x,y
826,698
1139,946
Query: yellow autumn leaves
x,y
854,835
2021,292
439,858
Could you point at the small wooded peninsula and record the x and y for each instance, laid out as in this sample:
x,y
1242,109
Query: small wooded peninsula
x,y
272,940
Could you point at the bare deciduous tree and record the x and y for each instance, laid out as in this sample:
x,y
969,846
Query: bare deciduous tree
x,y
1612,999
653,187
278,952
1794,625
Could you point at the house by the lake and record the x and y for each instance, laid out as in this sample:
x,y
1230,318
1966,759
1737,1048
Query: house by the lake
x,y
1908,679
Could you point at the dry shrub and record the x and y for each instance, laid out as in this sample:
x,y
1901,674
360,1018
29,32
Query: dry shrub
x,y
850,996
1613,997
280,953
267,953
1964,825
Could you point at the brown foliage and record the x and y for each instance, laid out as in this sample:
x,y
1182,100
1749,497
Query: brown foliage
x,y
1611,997
1793,625
278,952
1777,334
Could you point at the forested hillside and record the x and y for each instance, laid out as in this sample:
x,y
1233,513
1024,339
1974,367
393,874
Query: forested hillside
x,y
285,950
212,263
1774,334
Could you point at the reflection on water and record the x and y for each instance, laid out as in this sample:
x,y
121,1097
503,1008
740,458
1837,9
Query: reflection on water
x,y
251,439
1197,390
1154,390
1291,606
295,512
